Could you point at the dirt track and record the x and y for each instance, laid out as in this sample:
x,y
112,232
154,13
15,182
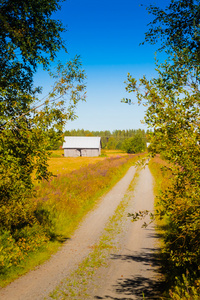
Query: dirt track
x,y
133,272
130,271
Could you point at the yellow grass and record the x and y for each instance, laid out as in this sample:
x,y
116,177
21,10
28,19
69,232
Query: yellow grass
x,y
63,201
58,164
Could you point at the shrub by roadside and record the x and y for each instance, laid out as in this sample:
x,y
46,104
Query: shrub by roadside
x,y
180,261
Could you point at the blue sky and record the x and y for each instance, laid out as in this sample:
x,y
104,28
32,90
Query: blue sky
x,y
106,34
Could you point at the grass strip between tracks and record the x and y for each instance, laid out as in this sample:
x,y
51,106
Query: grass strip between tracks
x,y
76,286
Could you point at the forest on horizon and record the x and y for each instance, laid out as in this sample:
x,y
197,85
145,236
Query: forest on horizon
x,y
111,140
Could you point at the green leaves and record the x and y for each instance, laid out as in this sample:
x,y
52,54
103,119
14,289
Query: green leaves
x,y
29,36
173,112
136,144
176,26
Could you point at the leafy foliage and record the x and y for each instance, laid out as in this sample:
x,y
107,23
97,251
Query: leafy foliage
x,y
29,36
173,110
177,26
135,144
184,286
24,141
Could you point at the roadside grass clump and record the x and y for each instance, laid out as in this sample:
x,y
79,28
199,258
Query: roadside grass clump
x,y
180,254
59,206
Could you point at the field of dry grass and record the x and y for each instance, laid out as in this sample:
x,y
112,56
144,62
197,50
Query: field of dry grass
x,y
78,183
60,205
58,164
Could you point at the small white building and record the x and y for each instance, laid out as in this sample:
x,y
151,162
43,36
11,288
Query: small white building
x,y
75,146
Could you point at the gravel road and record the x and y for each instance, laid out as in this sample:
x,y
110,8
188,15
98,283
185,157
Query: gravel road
x,y
131,272
38,283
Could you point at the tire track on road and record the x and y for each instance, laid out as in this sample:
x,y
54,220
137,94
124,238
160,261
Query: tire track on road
x,y
134,271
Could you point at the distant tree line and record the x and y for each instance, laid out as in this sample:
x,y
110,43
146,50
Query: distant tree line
x,y
131,140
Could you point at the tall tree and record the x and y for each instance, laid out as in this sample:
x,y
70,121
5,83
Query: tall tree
x,y
173,110
177,27
29,36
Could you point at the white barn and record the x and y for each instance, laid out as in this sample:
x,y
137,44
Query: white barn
x,y
75,146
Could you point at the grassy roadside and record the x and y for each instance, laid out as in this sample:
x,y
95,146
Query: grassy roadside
x,y
182,287
59,216
161,177
67,198
161,182
78,284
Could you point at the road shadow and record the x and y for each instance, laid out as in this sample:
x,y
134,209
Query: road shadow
x,y
139,287
150,259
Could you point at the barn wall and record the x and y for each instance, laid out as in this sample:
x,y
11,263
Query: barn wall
x,y
90,152
82,152
71,153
